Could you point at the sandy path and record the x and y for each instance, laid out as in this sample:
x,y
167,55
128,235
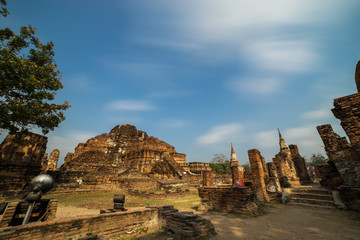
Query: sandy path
x,y
288,222
67,211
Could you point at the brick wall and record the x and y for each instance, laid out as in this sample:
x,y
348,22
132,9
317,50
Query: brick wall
x,y
103,224
228,199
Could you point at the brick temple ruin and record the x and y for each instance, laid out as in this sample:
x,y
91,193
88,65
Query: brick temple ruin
x,y
125,157
343,169
265,181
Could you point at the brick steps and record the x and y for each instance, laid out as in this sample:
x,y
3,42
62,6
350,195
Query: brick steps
x,y
311,205
312,201
311,191
312,197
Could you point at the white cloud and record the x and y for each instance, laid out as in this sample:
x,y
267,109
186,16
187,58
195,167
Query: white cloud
x,y
306,137
317,114
234,19
131,105
266,139
257,85
170,43
282,55
220,133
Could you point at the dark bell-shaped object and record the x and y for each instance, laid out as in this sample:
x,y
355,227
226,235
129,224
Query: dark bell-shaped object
x,y
42,182
39,185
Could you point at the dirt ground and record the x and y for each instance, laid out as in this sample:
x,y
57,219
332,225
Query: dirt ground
x,y
277,222
288,222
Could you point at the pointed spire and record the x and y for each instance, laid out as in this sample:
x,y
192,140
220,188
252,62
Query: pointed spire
x,y
233,155
283,144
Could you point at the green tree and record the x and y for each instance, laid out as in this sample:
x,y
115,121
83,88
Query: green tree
x,y
3,10
29,80
247,167
317,159
220,164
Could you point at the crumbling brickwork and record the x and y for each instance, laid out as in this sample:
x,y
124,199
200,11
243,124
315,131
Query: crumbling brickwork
x,y
198,167
347,110
237,171
228,199
125,147
258,174
20,164
300,165
343,155
53,160
285,166
99,161
184,225
208,179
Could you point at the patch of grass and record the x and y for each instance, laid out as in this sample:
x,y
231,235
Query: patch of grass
x,y
97,200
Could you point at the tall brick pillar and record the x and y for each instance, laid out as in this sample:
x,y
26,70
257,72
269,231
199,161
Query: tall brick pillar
x,y
258,176
300,164
237,171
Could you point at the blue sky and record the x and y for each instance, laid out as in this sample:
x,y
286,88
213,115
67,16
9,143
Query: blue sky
x,y
199,74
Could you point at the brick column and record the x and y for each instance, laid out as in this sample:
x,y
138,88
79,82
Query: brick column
x,y
299,163
208,178
258,176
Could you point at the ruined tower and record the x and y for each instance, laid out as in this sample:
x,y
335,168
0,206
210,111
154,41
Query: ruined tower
x,y
237,171
284,165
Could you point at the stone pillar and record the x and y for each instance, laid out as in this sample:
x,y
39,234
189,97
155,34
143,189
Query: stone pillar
x,y
208,179
237,171
257,173
265,167
300,164
273,176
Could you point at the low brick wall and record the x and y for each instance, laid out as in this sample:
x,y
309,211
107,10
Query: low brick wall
x,y
228,199
103,224
184,225
14,212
